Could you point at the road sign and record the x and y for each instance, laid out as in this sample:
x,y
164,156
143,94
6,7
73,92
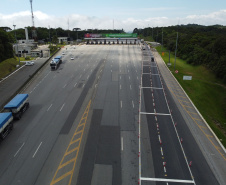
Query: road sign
x,y
169,64
187,77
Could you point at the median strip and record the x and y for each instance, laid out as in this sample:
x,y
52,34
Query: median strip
x,y
70,156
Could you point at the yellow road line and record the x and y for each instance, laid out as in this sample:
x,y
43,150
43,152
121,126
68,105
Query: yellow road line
x,y
69,150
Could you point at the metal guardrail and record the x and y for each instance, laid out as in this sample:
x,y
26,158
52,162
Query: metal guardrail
x,y
28,80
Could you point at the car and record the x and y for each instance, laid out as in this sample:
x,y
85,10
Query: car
x,y
72,58
29,63
63,53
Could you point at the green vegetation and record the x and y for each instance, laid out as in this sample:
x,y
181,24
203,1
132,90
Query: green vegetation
x,y
53,48
207,92
6,49
8,66
197,44
25,58
51,34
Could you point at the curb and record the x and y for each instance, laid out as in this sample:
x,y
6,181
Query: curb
x,y
195,108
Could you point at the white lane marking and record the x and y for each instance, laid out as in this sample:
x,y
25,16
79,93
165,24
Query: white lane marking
x,y
129,77
133,103
62,107
80,76
164,169
98,77
31,92
64,86
49,107
161,114
130,87
120,86
37,150
137,77
155,118
122,143
120,77
154,110
166,180
19,149
111,70
12,74
159,138
161,150
128,70
87,77
75,84
83,85
95,85
121,103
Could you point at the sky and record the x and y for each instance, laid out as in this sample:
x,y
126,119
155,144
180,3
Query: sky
x,y
114,14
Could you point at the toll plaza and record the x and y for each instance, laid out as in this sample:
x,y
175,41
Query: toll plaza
x,y
120,38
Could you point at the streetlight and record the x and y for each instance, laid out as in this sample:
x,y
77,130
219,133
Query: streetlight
x,y
76,29
16,43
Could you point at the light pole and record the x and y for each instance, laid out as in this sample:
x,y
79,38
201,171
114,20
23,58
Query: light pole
x,y
16,44
76,29
175,53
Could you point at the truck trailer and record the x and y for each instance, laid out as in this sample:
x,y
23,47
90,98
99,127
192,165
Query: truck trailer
x,y
17,106
54,64
6,124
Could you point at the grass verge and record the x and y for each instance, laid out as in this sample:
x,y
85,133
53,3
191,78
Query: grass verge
x,y
206,91
8,66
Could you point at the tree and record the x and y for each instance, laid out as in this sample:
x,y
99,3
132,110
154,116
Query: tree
x,y
55,39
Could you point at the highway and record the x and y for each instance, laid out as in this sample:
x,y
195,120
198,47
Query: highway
x,y
98,120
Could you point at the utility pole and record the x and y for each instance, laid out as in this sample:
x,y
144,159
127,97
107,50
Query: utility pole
x,y
49,36
16,45
157,35
113,25
14,31
175,53
152,33
76,29
162,38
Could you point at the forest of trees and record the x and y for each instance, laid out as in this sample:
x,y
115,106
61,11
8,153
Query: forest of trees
x,y
6,48
9,36
205,45
47,34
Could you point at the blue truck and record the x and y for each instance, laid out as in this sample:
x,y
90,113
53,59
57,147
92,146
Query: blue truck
x,y
17,106
54,64
6,124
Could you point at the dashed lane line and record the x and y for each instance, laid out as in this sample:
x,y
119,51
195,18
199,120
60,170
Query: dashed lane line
x,y
72,150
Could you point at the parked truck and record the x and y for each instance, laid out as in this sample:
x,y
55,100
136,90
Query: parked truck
x,y
17,106
6,124
54,64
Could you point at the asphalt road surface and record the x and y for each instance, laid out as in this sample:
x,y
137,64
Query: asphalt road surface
x,y
86,120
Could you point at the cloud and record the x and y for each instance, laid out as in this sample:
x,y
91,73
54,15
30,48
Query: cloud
x,y
23,19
